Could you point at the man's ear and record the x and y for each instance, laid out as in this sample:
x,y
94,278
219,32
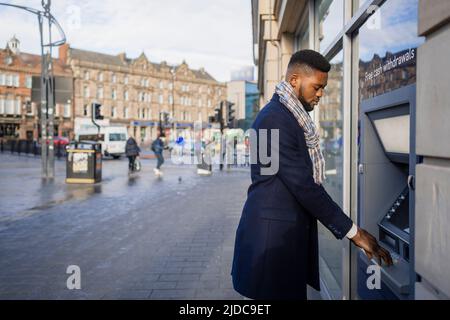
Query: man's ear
x,y
294,80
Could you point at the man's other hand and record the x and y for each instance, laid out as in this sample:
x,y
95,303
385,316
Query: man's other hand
x,y
369,244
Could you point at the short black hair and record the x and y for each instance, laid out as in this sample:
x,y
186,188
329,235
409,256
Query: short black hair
x,y
311,58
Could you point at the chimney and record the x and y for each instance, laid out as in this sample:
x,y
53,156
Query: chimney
x,y
122,56
64,52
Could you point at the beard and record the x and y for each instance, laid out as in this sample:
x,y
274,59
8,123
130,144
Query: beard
x,y
308,107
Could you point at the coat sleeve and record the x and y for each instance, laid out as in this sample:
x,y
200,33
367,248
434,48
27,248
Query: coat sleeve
x,y
294,172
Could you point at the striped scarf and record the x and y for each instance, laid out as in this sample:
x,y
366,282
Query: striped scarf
x,y
290,100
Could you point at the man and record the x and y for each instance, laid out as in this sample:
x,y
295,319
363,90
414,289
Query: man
x,y
131,151
158,148
276,248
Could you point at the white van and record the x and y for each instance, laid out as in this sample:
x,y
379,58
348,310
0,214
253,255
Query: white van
x,y
113,138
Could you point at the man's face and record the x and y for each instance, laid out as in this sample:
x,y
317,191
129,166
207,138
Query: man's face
x,y
309,88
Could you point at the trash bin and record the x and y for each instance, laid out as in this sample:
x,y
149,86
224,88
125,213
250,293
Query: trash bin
x,y
84,162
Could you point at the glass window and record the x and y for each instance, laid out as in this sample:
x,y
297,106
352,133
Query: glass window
x,y
329,114
361,2
126,80
113,112
388,44
9,80
2,106
113,78
117,137
100,93
28,81
85,110
86,75
2,79
125,95
331,21
86,92
29,107
100,76
17,106
143,133
125,112
16,80
161,99
114,94
67,110
303,38
9,106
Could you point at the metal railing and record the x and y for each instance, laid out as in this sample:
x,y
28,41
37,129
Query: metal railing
x,y
29,147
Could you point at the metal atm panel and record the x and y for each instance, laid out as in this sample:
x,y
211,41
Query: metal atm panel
x,y
386,185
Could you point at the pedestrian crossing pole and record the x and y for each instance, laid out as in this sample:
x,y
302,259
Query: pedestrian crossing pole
x,y
47,105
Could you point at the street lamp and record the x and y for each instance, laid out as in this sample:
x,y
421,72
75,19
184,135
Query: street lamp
x,y
47,84
174,135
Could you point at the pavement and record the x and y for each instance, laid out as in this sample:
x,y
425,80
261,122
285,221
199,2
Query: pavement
x,y
132,237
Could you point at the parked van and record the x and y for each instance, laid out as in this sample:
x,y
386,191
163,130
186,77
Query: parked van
x,y
112,138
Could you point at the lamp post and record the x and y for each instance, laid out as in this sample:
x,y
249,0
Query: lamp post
x,y
47,84
174,135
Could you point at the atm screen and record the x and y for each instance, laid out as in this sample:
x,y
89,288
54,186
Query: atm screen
x,y
394,133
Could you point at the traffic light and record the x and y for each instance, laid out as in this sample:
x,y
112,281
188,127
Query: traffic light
x,y
218,115
97,111
230,114
166,119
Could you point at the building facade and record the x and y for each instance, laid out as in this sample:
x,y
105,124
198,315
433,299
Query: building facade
x,y
136,92
381,51
245,96
19,116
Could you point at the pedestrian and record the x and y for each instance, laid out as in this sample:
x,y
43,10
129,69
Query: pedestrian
x,y
158,148
276,245
132,151
247,151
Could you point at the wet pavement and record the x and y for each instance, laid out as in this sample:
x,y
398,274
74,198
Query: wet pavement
x,y
133,237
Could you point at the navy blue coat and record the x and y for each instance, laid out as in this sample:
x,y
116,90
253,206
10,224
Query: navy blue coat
x,y
276,246
131,148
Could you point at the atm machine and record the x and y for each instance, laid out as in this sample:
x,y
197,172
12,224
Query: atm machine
x,y
386,190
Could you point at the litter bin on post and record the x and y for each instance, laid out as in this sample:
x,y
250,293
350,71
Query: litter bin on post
x,y
84,162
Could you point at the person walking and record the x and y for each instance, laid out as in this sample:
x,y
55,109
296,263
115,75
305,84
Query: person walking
x,y
132,151
158,148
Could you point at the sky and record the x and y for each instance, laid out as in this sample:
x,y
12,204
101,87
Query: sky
x,y
214,34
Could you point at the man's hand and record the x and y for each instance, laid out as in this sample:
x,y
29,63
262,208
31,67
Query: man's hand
x,y
369,244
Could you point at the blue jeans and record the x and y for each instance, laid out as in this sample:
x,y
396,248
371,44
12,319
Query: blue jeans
x,y
160,160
